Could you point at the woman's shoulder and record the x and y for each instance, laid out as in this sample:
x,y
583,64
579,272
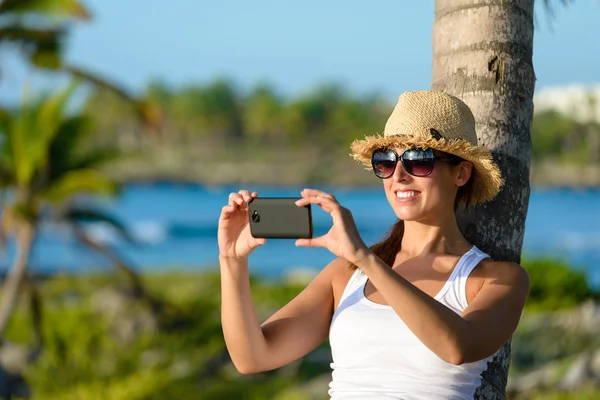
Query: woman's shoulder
x,y
490,270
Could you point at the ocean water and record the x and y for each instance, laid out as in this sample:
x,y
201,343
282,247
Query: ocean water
x,y
175,227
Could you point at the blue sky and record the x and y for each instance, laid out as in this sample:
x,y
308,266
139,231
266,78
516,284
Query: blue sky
x,y
370,46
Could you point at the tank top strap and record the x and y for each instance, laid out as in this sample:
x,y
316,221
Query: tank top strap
x,y
354,282
458,290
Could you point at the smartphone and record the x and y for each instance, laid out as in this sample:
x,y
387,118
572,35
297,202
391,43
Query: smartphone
x,y
279,218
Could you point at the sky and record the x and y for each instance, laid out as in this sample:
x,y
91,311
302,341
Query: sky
x,y
381,46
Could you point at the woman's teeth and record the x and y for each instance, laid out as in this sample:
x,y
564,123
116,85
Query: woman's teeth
x,y
406,195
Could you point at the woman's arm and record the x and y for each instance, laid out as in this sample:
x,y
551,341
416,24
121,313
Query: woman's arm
x,y
291,333
483,327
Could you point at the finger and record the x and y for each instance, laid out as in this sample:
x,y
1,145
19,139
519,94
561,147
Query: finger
x,y
246,195
227,211
326,204
314,242
315,192
236,198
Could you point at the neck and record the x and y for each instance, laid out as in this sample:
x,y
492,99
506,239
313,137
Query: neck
x,y
441,237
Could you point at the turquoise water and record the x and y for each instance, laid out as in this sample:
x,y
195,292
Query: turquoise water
x,y
175,226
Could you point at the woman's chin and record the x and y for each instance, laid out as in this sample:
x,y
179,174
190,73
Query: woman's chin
x,y
406,214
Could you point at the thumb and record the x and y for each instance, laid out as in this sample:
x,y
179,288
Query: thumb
x,y
314,242
254,243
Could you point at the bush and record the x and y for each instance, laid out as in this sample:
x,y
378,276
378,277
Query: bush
x,y
555,285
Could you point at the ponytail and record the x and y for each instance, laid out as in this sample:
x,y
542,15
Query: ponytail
x,y
389,246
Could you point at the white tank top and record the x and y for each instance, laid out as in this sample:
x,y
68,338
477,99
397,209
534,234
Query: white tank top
x,y
376,356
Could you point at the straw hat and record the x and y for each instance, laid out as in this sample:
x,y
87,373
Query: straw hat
x,y
437,120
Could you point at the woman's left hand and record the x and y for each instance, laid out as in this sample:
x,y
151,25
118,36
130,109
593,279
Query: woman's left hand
x,y
343,238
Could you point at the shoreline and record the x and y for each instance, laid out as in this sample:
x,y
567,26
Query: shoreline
x,y
343,174
544,185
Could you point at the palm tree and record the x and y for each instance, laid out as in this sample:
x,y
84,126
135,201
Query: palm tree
x,y
38,29
43,163
482,53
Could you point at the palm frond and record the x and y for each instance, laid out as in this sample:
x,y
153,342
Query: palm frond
x,y
148,112
92,159
52,110
43,46
80,214
21,143
51,8
65,142
7,175
77,182
32,131
548,5
18,33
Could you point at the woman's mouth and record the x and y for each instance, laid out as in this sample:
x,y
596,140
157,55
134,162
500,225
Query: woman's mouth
x,y
407,195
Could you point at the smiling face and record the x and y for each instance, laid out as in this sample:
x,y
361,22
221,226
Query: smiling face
x,y
429,198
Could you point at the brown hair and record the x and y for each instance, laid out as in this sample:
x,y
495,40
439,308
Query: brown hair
x,y
389,245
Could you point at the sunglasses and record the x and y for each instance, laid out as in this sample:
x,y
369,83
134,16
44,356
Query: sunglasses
x,y
417,162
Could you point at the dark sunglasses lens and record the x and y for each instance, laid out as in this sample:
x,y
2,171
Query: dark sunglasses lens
x,y
418,162
384,163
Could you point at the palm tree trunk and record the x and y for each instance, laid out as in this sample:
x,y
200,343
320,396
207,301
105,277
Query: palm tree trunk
x,y
24,238
132,278
482,53
35,308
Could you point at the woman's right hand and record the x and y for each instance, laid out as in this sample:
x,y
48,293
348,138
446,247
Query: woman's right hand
x,y
235,240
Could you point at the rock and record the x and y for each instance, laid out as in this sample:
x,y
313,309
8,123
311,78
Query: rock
x,y
181,368
541,377
151,358
126,317
595,363
583,318
13,385
577,374
14,358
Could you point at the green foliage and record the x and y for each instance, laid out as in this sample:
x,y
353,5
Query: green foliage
x,y
216,124
186,358
43,154
555,285
584,393
218,111
558,137
39,27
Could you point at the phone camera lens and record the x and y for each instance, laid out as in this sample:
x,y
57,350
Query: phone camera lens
x,y
255,217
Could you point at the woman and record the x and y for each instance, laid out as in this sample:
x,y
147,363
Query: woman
x,y
418,315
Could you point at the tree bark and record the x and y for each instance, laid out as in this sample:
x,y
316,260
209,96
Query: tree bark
x,y
24,237
482,53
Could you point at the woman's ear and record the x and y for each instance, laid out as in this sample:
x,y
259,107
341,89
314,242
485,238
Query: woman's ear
x,y
465,169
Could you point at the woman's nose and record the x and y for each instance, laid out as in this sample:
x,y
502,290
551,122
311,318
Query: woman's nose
x,y
400,174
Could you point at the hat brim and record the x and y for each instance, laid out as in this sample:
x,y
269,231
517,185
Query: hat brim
x,y
487,178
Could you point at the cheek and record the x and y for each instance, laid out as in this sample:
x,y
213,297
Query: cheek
x,y
442,183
